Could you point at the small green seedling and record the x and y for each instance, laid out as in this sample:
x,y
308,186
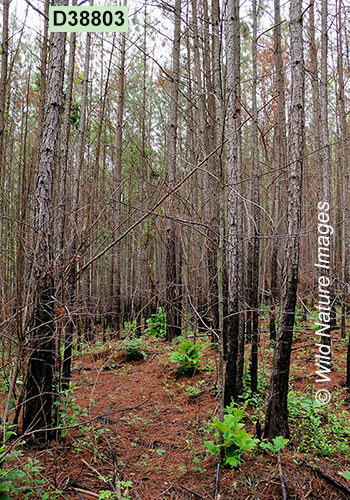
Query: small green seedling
x,y
236,441
278,443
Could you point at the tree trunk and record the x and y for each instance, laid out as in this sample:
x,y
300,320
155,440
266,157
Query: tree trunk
x,y
38,405
256,216
277,412
61,201
115,254
72,277
280,155
235,334
173,328
3,78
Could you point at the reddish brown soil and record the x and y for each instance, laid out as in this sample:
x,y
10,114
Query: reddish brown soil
x,y
154,429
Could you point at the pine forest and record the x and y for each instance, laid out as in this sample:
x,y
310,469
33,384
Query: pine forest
x,y
174,250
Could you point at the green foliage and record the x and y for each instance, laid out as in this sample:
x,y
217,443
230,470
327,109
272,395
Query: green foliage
x,y
317,430
133,348
278,443
236,441
188,355
160,452
15,481
124,485
157,324
67,409
194,391
130,329
178,340
346,474
75,114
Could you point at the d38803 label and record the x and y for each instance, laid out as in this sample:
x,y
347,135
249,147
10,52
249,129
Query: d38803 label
x,y
89,19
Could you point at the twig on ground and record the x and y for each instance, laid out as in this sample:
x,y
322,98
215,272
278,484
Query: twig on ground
x,y
217,482
331,479
77,492
284,490
90,493
190,491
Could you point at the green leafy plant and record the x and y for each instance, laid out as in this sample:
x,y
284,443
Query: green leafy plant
x,y
67,409
130,329
346,474
124,485
27,480
278,443
157,324
188,355
314,429
194,391
133,348
236,441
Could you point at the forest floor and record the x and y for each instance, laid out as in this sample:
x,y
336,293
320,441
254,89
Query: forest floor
x,y
152,420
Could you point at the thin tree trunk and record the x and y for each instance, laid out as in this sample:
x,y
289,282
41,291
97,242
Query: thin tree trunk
x,y
173,329
235,334
256,215
141,263
276,422
345,186
115,267
3,78
280,156
72,277
61,202
325,193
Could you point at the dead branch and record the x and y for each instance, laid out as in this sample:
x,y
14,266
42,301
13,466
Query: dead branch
x,y
335,482
190,491
217,482
284,490
90,493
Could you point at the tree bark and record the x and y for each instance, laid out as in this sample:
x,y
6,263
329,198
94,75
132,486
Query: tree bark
x,y
38,405
276,422
235,334
280,162
3,78
256,215
172,292
72,276
115,254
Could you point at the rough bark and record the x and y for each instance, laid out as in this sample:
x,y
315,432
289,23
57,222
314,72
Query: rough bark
x,y
235,333
38,405
276,422
173,327
72,276
256,215
280,161
115,254
61,201
3,78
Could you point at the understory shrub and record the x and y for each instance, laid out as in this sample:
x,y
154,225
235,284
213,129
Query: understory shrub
x,y
188,355
133,348
236,440
157,324
21,477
